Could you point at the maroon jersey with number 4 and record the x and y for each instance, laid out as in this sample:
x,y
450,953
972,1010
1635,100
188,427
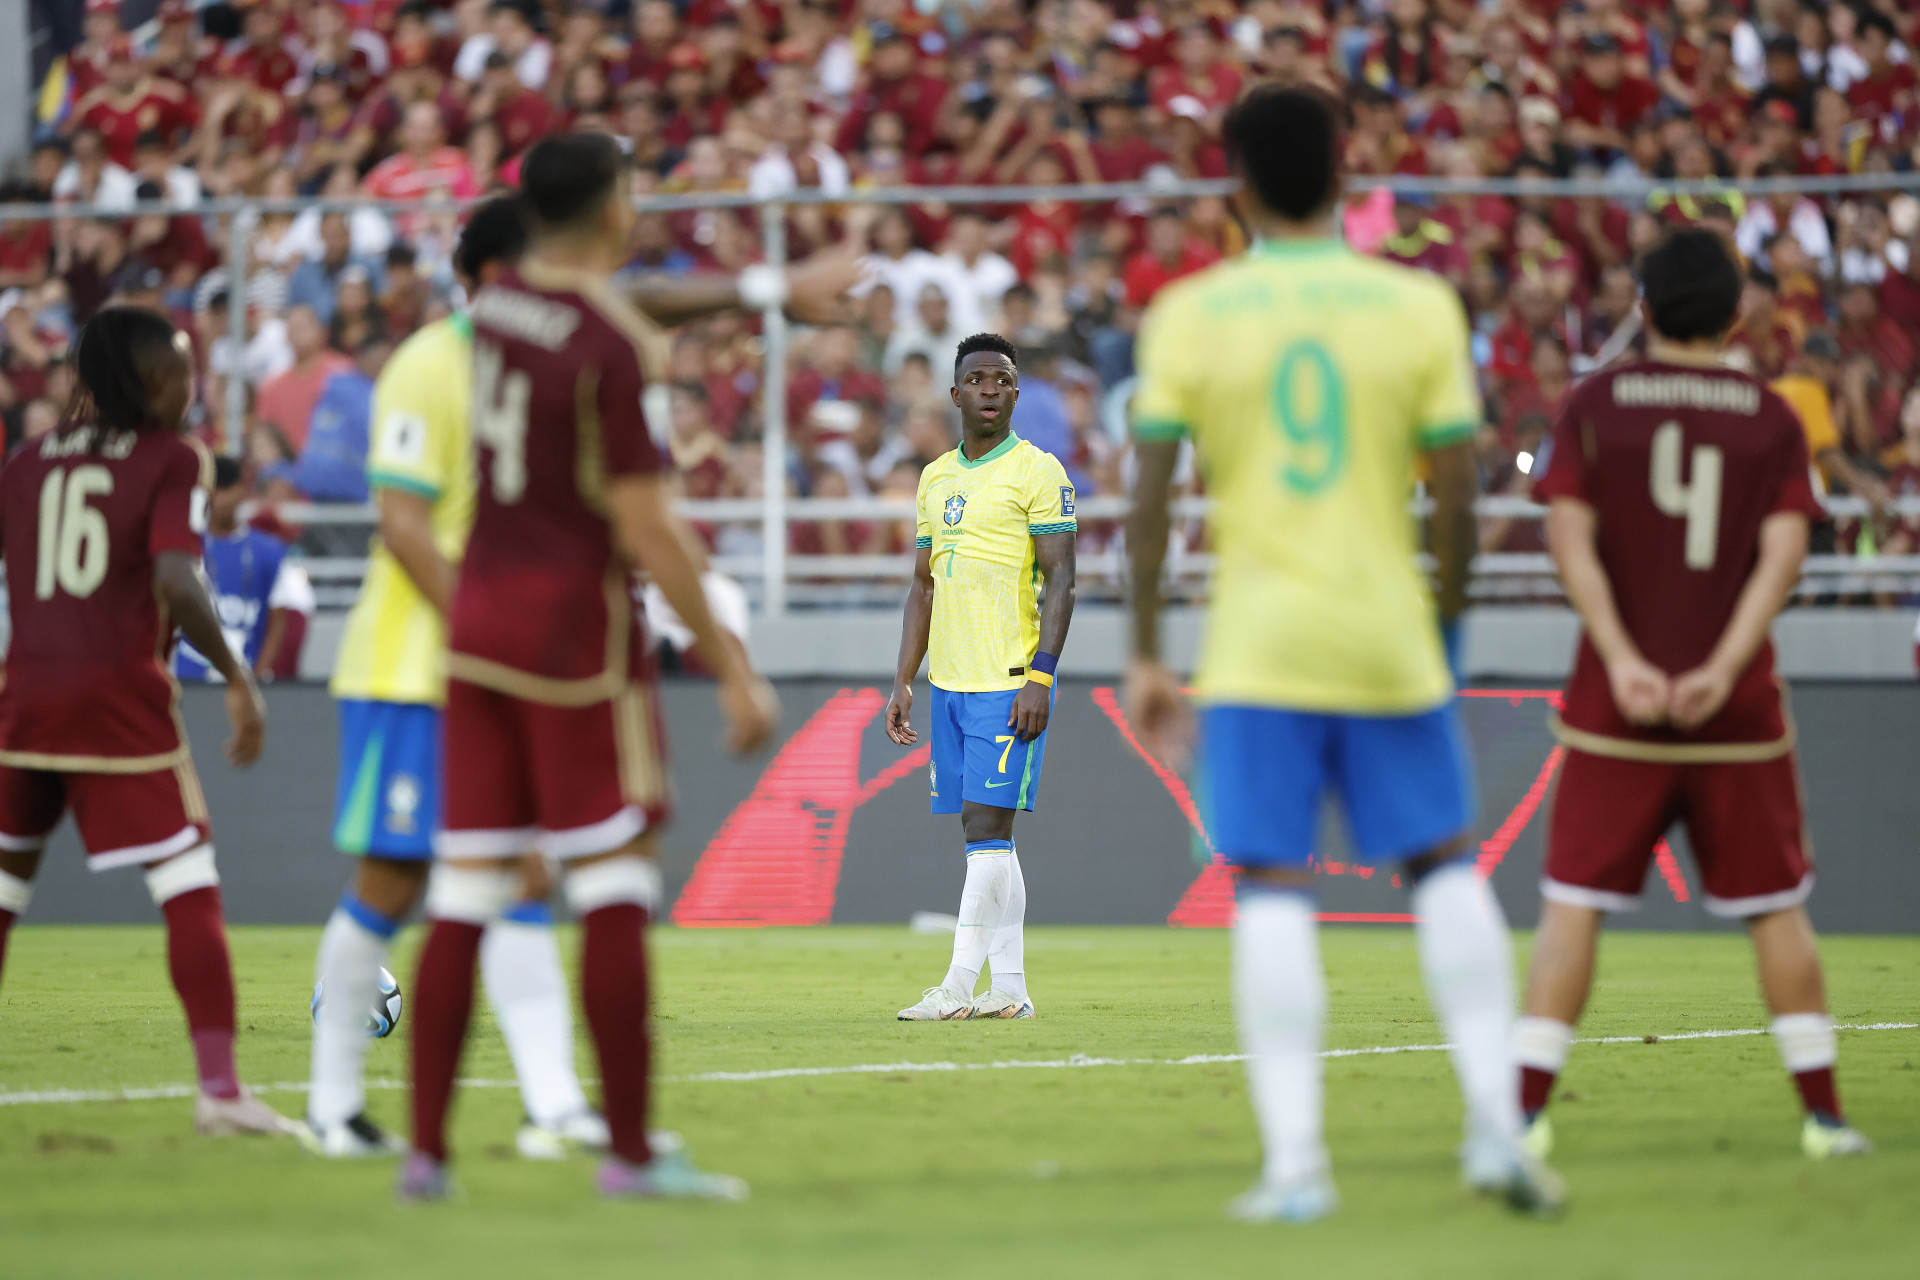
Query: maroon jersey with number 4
x,y
84,514
544,607
1681,464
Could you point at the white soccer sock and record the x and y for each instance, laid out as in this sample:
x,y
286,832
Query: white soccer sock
x,y
1806,1041
520,965
1007,948
1468,963
983,899
1542,1043
353,947
1280,1002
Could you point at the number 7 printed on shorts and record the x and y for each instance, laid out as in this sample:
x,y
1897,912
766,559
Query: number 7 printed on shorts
x,y
1007,750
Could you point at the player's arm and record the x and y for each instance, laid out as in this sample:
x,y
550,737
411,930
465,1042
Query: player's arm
x,y
651,537
810,291
1699,694
406,530
1640,689
1159,715
916,624
1453,481
1054,553
177,577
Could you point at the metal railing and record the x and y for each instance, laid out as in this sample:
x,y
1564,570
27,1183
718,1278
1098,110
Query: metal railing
x,y
774,569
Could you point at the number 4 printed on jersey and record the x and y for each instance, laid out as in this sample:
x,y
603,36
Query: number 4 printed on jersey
x,y
1697,500
500,401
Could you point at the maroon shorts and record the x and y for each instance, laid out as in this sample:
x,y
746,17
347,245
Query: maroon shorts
x,y
569,782
125,819
1744,821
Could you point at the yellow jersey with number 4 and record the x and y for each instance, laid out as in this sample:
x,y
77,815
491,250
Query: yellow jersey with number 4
x,y
980,518
394,648
1310,378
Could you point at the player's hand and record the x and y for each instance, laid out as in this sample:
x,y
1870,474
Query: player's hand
x,y
1160,717
1698,695
247,713
817,288
1031,707
1640,689
899,708
752,710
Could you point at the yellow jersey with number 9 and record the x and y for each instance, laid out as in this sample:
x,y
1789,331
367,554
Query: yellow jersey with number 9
x,y
979,518
1310,378
394,647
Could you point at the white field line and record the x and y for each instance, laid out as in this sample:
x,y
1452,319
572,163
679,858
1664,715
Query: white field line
x,y
43,1096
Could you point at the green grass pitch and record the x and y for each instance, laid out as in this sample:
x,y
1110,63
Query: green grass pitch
x,y
1682,1155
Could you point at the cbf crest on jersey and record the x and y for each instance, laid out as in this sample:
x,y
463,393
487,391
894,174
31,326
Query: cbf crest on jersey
x,y
955,508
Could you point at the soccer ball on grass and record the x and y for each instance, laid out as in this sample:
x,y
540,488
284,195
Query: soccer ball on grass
x,y
385,1014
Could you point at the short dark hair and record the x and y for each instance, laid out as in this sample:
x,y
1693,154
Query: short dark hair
x,y
1692,283
226,472
496,232
567,177
985,342
1285,144
111,356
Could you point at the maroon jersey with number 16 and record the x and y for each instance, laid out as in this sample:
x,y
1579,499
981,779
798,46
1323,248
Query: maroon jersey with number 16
x,y
1681,463
544,609
84,514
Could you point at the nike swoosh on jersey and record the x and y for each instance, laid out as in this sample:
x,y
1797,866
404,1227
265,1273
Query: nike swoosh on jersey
x,y
991,785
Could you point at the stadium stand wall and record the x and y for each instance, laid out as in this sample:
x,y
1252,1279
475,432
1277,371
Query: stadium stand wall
x,y
834,825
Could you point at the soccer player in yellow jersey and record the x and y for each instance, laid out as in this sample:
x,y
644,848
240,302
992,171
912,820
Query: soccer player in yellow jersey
x,y
1311,381
390,680
995,521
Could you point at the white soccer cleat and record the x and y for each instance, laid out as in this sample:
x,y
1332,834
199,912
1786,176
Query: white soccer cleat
x,y
358,1138
581,1130
998,1004
244,1114
1493,1165
1829,1141
938,1004
1307,1200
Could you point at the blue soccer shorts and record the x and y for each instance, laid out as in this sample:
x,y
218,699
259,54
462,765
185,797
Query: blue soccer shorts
x,y
975,755
1405,783
387,799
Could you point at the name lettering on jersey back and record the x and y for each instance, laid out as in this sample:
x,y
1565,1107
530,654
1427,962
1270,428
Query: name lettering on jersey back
x,y
114,446
1686,391
541,321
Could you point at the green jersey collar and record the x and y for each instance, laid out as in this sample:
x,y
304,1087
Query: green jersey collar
x,y
1012,439
462,324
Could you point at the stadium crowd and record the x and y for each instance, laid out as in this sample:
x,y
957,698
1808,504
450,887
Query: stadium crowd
x,y
278,98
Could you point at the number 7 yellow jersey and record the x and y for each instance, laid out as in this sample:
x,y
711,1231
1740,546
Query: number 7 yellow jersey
x,y
1310,379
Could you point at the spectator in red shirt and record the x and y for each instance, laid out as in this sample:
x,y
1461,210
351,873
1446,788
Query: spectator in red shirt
x,y
129,103
26,248
1198,72
259,55
521,115
1885,97
833,373
87,61
1170,254
286,400
656,30
1764,340
1603,102
424,165
893,84
1530,311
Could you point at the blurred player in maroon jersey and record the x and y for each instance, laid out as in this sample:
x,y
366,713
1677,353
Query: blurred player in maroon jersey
x,y
552,733
1680,501
100,523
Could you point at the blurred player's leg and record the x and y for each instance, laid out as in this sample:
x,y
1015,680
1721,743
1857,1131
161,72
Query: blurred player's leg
x,y
1280,1003
1559,977
462,899
613,895
187,890
1791,982
527,988
1007,953
353,949
16,890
